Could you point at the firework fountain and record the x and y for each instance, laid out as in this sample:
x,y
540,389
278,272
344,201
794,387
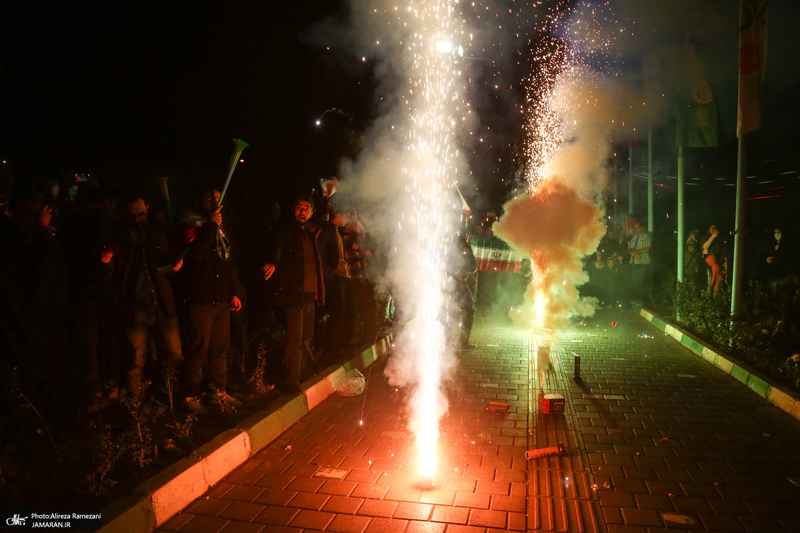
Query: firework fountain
x,y
411,163
430,138
429,58
557,221
405,180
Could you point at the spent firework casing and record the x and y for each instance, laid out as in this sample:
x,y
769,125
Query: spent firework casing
x,y
544,452
497,407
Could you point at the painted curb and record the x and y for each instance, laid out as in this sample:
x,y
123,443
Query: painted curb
x,y
785,400
167,493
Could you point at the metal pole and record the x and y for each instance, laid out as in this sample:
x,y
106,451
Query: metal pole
x,y
650,192
630,179
738,236
680,214
616,186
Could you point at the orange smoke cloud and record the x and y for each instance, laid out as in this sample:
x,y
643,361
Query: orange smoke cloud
x,y
556,228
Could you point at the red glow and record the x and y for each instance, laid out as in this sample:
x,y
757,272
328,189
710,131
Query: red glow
x,y
762,197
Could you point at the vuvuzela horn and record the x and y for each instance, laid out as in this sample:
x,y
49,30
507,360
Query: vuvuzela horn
x,y
238,147
162,186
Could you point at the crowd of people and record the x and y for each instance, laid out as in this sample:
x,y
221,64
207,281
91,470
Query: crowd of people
x,y
769,256
106,295
622,271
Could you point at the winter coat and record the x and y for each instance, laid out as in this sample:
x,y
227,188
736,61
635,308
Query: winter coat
x,y
290,267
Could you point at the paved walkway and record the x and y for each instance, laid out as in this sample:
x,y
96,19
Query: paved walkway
x,y
655,438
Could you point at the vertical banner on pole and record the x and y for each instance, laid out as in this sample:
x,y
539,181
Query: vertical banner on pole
x,y
752,59
698,116
752,56
697,126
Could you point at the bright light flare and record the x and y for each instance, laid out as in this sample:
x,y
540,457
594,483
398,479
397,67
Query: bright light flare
x,y
432,105
428,433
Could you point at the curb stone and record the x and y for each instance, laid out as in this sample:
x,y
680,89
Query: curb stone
x,y
785,400
162,496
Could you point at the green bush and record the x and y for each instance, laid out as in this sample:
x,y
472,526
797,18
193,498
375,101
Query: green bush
x,y
706,313
766,332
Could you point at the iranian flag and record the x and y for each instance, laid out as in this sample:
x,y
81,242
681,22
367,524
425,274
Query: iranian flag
x,y
329,186
494,255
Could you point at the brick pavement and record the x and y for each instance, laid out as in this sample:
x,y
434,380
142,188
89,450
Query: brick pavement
x,y
675,443
657,440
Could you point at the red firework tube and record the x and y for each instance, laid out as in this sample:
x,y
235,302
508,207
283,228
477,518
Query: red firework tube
x,y
544,452
497,407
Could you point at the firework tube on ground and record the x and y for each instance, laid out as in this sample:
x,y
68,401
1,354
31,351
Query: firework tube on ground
x,y
544,452
238,147
577,375
497,407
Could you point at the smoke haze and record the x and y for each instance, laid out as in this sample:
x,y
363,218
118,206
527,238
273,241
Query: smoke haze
x,y
628,59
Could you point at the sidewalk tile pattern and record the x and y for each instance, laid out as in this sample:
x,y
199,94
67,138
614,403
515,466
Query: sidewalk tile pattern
x,y
674,443
657,439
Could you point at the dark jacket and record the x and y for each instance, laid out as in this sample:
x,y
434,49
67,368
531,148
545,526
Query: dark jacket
x,y
208,280
290,267
126,257
460,260
259,243
328,246
84,233
784,260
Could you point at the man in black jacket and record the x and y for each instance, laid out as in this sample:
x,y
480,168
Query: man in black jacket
x,y
461,267
210,293
298,268
144,294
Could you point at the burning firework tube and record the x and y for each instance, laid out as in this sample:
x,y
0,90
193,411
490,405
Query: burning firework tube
x,y
544,452
238,147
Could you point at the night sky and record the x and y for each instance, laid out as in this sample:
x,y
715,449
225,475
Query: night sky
x,y
133,90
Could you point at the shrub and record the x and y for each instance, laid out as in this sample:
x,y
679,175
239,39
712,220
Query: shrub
x,y
706,313
766,332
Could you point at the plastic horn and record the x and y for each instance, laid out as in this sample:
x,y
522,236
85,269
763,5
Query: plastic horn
x,y
238,147
162,186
